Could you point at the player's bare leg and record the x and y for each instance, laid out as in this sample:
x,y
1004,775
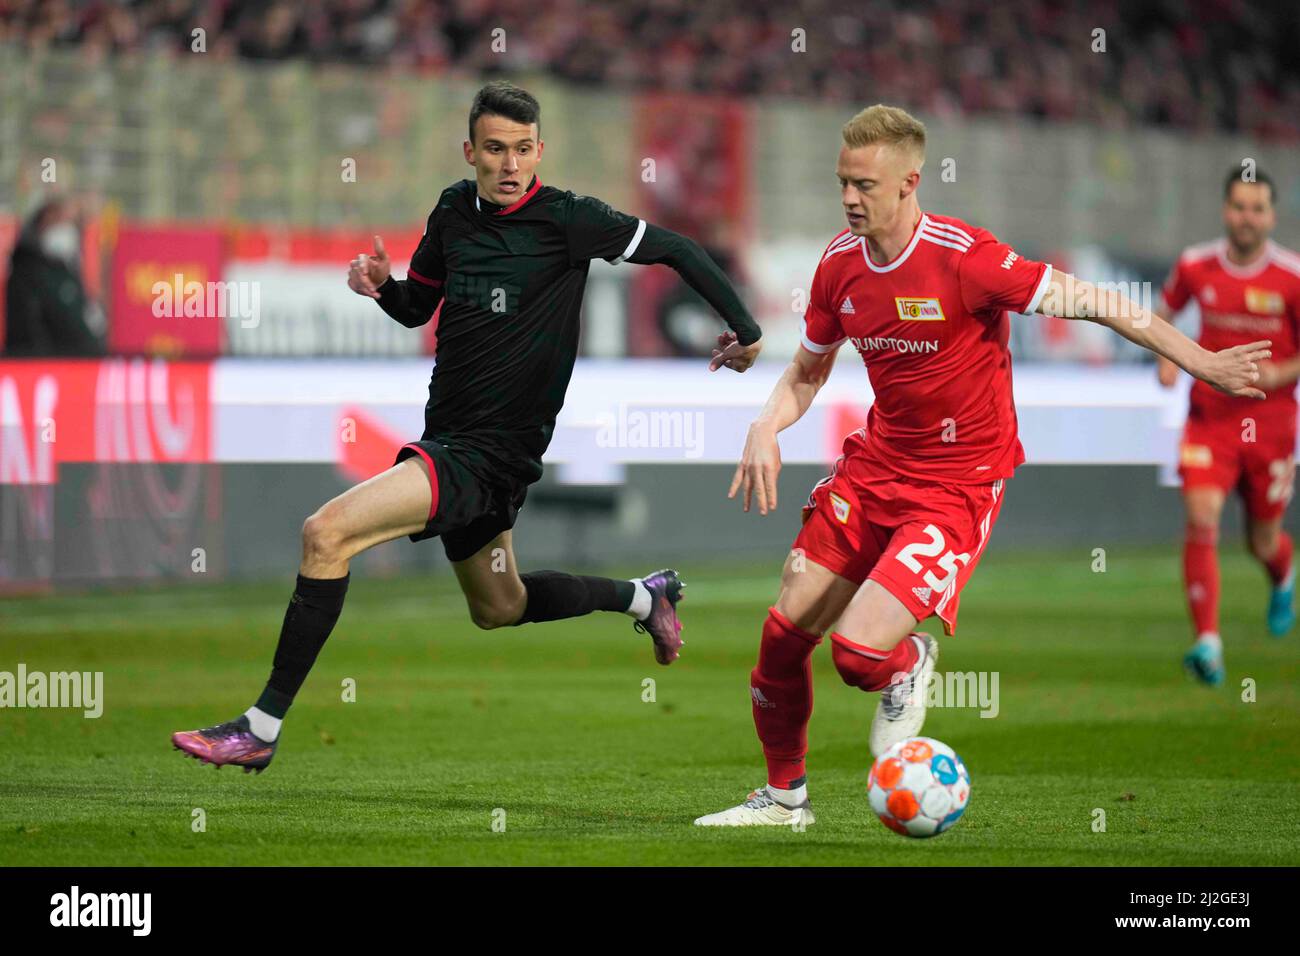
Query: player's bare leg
x,y
390,505
810,601
1201,579
499,596
494,593
1272,547
385,507
876,648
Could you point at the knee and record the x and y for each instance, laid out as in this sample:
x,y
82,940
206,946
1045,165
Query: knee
x,y
787,617
1201,530
488,615
862,666
1203,521
321,538
1263,542
851,667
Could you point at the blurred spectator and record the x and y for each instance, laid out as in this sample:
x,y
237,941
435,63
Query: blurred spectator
x,y
45,302
1190,64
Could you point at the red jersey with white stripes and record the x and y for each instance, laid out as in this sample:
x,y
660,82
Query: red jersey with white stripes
x,y
932,328
1240,304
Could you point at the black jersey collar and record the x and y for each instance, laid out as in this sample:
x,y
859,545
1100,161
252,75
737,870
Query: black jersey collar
x,y
490,208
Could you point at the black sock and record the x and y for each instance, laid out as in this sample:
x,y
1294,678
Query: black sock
x,y
553,595
312,611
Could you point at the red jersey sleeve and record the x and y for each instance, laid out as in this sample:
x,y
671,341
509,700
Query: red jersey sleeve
x,y
821,330
996,278
1175,291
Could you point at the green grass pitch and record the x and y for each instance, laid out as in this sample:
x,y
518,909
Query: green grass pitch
x,y
548,724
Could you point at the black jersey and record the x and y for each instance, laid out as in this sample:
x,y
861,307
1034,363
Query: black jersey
x,y
511,281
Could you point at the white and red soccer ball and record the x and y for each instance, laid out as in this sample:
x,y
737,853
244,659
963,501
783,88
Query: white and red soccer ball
x,y
919,787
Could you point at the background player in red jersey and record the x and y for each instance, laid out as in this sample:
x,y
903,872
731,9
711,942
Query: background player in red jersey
x,y
894,532
1247,287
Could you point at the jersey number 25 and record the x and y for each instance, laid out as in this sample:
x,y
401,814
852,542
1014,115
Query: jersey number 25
x,y
950,562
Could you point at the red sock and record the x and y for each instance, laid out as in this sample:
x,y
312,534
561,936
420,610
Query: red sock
x,y
870,668
1201,577
1279,566
781,688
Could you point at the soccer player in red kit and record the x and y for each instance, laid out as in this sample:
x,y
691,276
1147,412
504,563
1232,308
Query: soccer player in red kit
x,y
895,531
1248,287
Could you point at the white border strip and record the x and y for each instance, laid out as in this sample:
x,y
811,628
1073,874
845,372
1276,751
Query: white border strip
x,y
631,246
1037,297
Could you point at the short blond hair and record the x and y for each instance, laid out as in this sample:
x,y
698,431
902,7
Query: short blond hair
x,y
888,125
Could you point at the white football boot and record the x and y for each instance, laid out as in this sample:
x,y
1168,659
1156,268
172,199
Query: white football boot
x,y
760,810
901,711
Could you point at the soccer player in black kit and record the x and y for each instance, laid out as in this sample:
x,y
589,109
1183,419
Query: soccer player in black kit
x,y
507,258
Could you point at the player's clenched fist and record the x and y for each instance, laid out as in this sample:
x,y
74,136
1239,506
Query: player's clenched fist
x,y
368,272
732,354
1236,370
758,469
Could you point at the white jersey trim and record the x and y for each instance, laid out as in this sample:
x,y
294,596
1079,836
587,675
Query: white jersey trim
x,y
1036,299
631,246
951,590
1203,250
950,232
1250,269
902,256
941,239
1286,259
845,242
812,346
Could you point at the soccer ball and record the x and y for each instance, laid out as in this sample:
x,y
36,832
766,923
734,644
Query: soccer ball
x,y
919,787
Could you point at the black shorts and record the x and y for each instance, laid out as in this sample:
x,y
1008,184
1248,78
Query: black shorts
x,y
467,512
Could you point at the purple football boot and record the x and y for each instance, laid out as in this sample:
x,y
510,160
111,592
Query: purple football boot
x,y
662,624
231,742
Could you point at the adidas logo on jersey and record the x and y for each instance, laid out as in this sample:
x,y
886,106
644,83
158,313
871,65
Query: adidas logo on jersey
x,y
922,595
759,699
846,307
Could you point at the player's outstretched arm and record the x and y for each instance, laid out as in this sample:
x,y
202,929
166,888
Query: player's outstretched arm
x,y
701,273
410,303
1234,371
760,463
1166,371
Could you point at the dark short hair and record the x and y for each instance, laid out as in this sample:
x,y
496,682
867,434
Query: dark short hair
x,y
1239,176
503,98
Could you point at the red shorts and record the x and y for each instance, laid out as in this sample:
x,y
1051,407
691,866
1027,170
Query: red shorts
x,y
918,539
1254,455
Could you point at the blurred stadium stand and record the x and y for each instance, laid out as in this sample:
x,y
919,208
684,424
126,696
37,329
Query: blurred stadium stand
x,y
1190,64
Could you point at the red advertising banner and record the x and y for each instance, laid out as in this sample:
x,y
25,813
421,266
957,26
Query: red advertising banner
x,y
166,287
302,275
114,410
